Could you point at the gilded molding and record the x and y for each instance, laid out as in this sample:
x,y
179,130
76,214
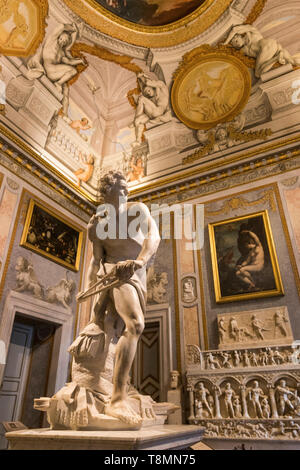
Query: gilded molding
x,y
239,202
176,298
255,11
102,53
192,57
287,237
7,149
149,36
234,135
41,10
197,172
217,106
11,243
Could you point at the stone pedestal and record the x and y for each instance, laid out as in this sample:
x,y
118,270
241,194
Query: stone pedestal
x,y
174,396
165,437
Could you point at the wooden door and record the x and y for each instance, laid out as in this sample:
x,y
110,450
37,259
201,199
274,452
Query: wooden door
x,y
15,376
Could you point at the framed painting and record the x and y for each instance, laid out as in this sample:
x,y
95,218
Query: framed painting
x,y
244,260
49,235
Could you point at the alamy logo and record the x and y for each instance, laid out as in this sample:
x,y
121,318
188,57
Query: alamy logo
x,y
178,221
2,353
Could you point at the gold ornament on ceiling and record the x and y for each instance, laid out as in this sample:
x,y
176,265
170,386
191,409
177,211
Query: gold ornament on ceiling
x,y
211,86
22,26
164,35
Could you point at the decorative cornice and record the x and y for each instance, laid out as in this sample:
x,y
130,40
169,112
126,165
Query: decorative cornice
x,y
23,167
237,175
206,172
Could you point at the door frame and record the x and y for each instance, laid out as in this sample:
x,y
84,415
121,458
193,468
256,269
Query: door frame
x,y
27,305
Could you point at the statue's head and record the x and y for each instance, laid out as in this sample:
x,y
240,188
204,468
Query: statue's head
x,y
238,41
149,91
174,379
22,264
113,186
64,39
221,133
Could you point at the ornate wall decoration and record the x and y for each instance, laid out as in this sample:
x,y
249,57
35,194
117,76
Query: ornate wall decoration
x,y
189,289
22,26
224,136
244,260
264,326
210,87
246,394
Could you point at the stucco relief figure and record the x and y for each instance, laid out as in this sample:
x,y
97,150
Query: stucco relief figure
x,y
255,395
188,294
266,51
54,59
265,408
26,280
225,359
234,330
211,97
222,329
157,286
280,323
237,407
85,173
229,395
62,292
202,395
258,327
100,395
152,105
284,396
212,362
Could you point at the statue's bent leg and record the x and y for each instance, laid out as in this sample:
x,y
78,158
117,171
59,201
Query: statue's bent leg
x,y
127,305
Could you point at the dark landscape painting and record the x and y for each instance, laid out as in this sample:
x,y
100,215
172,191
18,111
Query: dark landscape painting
x,y
151,12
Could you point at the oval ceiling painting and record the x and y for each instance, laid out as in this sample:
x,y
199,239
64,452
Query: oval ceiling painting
x,y
151,12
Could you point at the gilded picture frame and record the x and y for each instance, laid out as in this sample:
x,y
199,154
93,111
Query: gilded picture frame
x,y
244,260
49,234
211,86
26,27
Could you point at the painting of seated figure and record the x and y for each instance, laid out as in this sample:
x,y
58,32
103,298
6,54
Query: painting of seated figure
x,y
244,260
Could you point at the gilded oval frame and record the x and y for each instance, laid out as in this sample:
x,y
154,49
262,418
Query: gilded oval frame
x,y
169,35
189,64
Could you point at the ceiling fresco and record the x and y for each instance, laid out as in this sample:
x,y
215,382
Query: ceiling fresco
x,y
151,12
